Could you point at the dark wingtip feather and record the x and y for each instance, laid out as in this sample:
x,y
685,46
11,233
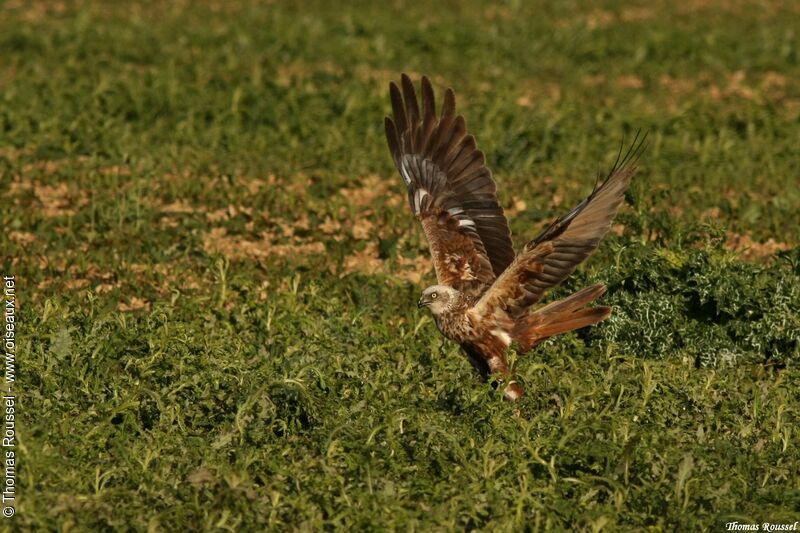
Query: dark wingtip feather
x,y
391,138
449,106
624,167
398,109
428,99
628,162
410,97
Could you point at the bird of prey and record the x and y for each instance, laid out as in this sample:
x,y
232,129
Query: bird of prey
x,y
487,296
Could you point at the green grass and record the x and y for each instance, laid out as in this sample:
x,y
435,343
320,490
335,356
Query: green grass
x,y
217,270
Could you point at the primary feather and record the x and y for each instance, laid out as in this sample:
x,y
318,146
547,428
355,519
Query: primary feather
x,y
450,189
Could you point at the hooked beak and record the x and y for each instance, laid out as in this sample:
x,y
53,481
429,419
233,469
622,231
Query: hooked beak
x,y
421,303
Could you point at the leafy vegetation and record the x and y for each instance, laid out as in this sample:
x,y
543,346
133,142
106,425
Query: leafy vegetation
x,y
217,270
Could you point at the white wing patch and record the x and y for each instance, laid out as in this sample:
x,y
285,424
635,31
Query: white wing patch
x,y
504,337
404,170
419,195
458,213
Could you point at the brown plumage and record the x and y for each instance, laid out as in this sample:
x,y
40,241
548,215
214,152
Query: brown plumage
x,y
486,294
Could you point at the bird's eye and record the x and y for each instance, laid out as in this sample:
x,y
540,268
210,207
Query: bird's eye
x,y
434,296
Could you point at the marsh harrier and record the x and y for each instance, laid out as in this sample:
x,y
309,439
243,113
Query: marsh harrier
x,y
487,296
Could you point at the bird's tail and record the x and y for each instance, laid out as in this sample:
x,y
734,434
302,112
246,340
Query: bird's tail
x,y
560,316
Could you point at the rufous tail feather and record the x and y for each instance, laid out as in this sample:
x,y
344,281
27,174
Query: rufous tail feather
x,y
560,316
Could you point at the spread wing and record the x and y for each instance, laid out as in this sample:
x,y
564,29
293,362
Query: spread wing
x,y
450,189
551,257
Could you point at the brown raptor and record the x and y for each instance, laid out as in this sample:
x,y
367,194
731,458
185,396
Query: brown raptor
x,y
487,295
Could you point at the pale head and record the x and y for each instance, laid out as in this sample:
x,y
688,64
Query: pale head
x,y
438,298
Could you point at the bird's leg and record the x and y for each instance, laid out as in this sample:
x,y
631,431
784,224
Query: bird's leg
x,y
501,373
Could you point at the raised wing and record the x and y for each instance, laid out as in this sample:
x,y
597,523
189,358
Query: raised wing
x,y
551,257
450,189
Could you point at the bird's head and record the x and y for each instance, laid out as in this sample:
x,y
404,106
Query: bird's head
x,y
438,298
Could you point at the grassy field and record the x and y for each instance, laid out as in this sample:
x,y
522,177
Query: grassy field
x,y
217,271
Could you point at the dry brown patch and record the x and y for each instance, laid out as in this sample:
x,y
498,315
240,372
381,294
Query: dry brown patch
x,y
218,215
630,81
298,184
174,276
286,73
45,283
59,264
139,268
115,170
517,207
362,229
255,185
135,304
775,86
600,19
79,283
168,223
22,237
51,166
496,12
750,249
594,80
227,213
81,278
330,226
676,210
366,261
17,189
91,271
677,89
774,82
295,250
358,222
262,292
637,14
217,241
735,87
105,288
95,272
372,187
13,154
36,11
677,86
525,101
58,200
289,229
383,76
765,9
178,207
414,270
535,92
